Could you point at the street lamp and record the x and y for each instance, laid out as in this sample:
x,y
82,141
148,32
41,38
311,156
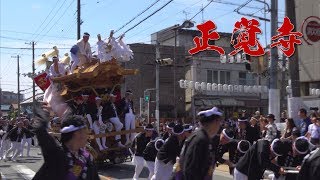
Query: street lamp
x,y
185,24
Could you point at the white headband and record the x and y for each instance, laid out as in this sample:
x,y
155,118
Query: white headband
x,y
71,128
169,127
226,135
210,112
148,129
242,120
276,140
190,128
294,145
238,147
155,145
178,133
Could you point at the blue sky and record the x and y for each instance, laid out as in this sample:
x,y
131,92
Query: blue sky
x,y
53,22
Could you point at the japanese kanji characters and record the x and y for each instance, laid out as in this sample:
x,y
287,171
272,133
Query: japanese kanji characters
x,y
246,40
208,33
286,39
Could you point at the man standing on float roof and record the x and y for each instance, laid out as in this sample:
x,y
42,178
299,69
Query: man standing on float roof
x,y
81,52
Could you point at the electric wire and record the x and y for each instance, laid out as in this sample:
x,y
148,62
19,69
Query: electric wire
x,y
137,16
148,17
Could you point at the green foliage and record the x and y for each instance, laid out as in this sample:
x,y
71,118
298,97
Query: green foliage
x,y
12,114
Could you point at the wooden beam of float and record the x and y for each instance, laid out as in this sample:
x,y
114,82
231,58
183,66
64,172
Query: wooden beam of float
x,y
110,134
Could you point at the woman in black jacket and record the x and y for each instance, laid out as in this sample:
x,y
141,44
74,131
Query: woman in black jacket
x,y
68,160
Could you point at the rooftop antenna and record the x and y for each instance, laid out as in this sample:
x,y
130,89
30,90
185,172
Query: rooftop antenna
x,y
186,14
202,13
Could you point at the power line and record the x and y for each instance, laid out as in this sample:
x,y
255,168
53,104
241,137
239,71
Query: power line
x,y
12,53
36,34
2,47
201,10
148,17
159,22
137,16
234,4
51,19
59,18
47,16
18,39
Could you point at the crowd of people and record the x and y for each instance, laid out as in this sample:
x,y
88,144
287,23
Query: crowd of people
x,y
253,143
15,136
181,151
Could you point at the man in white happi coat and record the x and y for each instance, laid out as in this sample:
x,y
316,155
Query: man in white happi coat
x,y
57,69
81,52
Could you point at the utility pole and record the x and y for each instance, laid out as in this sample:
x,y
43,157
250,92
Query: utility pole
x,y
294,102
18,75
174,73
283,85
78,20
33,83
157,87
274,92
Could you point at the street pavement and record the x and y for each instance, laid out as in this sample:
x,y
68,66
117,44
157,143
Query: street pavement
x,y
25,168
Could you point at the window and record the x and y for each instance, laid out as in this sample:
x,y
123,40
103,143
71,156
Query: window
x,y
242,78
209,76
212,76
224,77
246,79
215,77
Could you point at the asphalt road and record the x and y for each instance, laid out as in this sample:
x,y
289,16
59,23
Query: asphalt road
x,y
25,168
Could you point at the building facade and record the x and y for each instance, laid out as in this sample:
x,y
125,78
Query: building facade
x,y
308,22
206,67
144,61
8,97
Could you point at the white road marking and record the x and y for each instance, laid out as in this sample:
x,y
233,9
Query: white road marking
x,y
24,171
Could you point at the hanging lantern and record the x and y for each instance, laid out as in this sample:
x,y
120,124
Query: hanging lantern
x,y
186,83
288,89
181,83
209,86
250,89
191,85
246,89
203,86
223,58
238,58
265,89
214,87
240,88
255,89
230,88
260,89
235,88
313,91
231,59
225,88
197,86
